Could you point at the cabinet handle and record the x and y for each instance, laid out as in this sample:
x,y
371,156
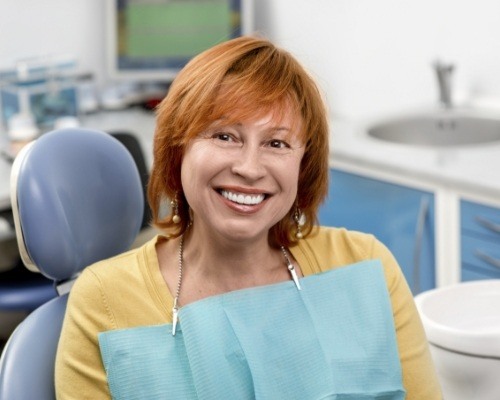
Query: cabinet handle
x,y
419,238
487,258
492,226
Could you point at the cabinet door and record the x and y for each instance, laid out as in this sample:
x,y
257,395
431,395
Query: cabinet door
x,y
400,217
480,241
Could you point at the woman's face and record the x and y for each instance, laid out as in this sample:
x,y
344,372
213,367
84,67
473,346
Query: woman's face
x,y
241,178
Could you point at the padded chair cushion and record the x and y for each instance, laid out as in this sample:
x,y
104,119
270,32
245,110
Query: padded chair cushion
x,y
28,360
69,217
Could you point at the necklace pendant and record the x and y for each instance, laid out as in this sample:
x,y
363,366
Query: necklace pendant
x,y
175,318
291,268
295,278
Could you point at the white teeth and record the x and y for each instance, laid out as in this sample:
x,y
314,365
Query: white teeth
x,y
242,198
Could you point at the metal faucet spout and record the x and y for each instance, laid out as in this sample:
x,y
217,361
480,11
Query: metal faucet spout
x,y
444,73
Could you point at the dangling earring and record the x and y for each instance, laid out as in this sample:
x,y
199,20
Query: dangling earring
x,y
297,217
175,206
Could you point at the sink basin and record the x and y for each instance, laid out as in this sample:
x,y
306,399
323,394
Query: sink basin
x,y
441,128
464,317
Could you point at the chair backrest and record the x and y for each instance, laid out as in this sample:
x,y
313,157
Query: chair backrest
x,y
77,198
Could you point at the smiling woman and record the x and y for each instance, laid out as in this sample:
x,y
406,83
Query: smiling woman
x,y
238,81
243,296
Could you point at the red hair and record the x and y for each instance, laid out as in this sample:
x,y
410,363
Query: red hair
x,y
258,78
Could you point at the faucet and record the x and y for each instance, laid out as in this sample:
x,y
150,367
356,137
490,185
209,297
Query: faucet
x,y
443,73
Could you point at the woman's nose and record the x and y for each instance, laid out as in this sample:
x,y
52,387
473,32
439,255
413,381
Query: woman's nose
x,y
248,164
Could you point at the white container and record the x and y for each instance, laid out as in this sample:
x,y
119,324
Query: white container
x,y
462,323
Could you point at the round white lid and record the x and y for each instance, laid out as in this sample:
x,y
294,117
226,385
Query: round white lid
x,y
464,317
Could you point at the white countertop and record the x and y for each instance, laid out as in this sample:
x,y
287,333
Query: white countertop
x,y
470,169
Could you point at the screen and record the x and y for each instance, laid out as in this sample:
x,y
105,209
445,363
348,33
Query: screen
x,y
153,39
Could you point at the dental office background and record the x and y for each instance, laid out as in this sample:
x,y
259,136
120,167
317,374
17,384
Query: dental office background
x,y
370,57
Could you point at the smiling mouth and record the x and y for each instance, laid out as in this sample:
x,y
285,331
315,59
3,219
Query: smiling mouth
x,y
241,198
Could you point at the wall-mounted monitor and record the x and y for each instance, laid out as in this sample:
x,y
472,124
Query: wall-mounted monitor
x,y
151,40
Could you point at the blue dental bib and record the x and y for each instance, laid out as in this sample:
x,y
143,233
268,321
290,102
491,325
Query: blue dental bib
x,y
335,339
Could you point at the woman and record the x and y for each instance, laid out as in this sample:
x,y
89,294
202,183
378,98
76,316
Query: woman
x,y
244,297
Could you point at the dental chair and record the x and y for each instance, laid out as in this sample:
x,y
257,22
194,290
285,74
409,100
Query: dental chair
x,y
77,198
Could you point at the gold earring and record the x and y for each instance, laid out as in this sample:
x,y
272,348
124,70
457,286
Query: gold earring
x,y
175,206
297,216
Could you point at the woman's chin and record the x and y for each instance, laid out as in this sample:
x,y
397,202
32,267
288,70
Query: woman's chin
x,y
244,235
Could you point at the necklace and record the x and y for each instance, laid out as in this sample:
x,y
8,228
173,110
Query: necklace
x,y
175,308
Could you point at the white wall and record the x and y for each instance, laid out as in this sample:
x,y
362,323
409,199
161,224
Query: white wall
x,y
30,28
375,56
370,56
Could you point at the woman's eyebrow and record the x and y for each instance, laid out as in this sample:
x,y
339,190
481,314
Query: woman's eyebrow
x,y
223,120
281,128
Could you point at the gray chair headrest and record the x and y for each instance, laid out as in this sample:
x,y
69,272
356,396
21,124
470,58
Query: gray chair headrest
x,y
77,198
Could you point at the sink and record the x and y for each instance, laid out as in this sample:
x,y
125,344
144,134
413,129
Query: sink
x,y
441,128
462,326
463,317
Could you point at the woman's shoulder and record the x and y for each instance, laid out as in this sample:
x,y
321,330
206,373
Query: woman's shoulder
x,y
115,264
125,290
124,267
329,247
344,246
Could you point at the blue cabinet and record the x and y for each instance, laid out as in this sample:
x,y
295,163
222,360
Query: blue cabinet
x,y
480,241
400,217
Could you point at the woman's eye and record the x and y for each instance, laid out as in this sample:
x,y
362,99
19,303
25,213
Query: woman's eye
x,y
226,137
278,144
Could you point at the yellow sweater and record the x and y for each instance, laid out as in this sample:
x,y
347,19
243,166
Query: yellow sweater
x,y
129,291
